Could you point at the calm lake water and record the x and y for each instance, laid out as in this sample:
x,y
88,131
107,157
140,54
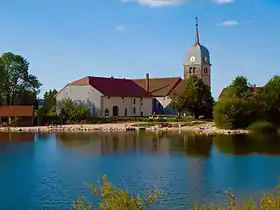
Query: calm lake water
x,y
47,171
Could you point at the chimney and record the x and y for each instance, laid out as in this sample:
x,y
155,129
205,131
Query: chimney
x,y
147,83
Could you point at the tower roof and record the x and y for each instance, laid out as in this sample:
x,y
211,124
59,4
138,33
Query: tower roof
x,y
197,54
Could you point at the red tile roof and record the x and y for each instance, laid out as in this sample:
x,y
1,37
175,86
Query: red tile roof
x,y
160,86
16,111
114,86
180,87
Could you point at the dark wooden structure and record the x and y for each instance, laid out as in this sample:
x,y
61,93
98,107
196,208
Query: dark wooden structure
x,y
24,114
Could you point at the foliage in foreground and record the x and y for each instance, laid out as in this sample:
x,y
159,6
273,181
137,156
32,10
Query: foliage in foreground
x,y
112,197
268,201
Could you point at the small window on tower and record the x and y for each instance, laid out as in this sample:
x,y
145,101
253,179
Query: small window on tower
x,y
190,70
205,71
194,70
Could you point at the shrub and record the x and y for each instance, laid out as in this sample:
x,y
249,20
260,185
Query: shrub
x,y
15,122
112,197
262,127
228,113
235,113
268,201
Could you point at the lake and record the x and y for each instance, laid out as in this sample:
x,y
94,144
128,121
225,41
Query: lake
x,y
47,171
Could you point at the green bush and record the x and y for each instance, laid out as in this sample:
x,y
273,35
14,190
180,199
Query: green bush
x,y
262,127
235,113
229,113
112,197
15,122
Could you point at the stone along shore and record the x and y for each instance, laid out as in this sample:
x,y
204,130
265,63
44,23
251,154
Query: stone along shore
x,y
202,128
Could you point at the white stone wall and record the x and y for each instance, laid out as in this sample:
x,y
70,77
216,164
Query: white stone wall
x,y
127,103
84,95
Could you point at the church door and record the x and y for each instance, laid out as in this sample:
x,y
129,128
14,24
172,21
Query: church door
x,y
115,111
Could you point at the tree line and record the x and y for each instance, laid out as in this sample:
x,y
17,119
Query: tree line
x,y
240,104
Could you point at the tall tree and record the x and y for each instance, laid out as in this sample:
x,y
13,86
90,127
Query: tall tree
x,y
239,87
195,98
270,100
49,102
15,78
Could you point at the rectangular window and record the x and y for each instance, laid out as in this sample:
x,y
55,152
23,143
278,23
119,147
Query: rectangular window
x,y
194,70
190,70
134,110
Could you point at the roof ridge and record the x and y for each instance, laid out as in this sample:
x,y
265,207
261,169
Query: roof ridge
x,y
159,78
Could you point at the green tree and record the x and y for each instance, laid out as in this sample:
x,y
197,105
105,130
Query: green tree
x,y
70,111
15,78
270,100
239,86
49,107
239,107
195,98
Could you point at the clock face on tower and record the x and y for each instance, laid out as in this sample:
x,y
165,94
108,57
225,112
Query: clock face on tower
x,y
206,59
192,59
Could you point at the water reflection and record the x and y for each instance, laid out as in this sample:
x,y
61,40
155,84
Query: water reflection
x,y
244,145
158,143
185,166
127,142
8,137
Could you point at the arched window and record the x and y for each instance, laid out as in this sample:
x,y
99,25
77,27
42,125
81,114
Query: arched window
x,y
194,70
190,70
106,113
134,101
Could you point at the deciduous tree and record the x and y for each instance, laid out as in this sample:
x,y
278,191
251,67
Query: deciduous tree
x,y
15,78
195,98
270,100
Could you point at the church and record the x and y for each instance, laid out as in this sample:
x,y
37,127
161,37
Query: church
x,y
197,62
137,97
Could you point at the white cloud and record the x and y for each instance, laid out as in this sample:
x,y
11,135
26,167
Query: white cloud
x,y
229,23
156,3
119,28
223,1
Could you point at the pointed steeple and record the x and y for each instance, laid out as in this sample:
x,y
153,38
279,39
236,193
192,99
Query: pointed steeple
x,y
196,34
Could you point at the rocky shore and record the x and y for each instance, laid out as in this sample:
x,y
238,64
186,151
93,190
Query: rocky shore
x,y
207,128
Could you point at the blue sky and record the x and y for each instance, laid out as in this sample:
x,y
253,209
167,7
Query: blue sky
x,y
65,40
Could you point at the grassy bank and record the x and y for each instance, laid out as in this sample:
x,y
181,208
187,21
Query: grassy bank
x,y
102,120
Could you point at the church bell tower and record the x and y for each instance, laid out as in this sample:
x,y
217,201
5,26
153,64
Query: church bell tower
x,y
197,61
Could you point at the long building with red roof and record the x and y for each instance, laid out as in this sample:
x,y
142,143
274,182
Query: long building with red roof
x,y
108,96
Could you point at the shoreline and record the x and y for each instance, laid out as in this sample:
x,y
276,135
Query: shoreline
x,y
207,128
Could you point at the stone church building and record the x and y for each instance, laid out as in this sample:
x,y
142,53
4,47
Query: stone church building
x,y
137,97
197,62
